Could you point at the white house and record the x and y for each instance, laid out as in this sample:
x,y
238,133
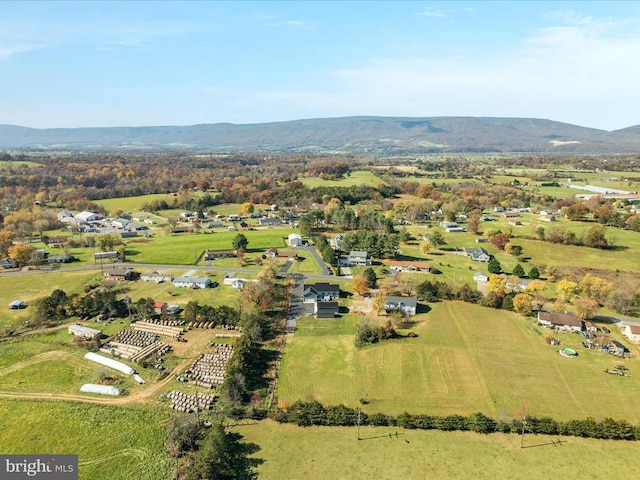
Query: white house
x,y
192,282
294,240
632,332
406,305
561,321
269,222
156,277
355,258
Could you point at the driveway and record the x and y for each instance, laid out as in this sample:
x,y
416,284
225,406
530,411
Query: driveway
x,y
296,306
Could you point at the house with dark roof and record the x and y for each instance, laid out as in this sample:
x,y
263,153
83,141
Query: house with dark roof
x,y
213,254
322,299
561,321
320,292
8,263
119,274
327,309
396,303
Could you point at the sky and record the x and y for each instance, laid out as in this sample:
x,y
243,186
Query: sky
x,y
119,63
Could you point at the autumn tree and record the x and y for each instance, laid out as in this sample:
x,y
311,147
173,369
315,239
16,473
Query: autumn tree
x,y
567,290
595,237
424,247
497,283
247,208
499,240
596,288
360,284
523,304
21,253
585,307
6,240
474,223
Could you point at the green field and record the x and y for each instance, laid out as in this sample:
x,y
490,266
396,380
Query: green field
x,y
30,287
132,204
359,177
334,452
465,359
112,443
185,249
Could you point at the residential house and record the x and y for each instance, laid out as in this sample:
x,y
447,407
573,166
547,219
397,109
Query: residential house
x,y
270,222
561,321
192,282
406,305
511,215
156,277
294,240
549,217
106,255
356,258
617,348
182,230
336,241
320,292
119,274
65,258
66,217
57,241
327,309
478,254
213,254
8,263
632,332
408,266
215,224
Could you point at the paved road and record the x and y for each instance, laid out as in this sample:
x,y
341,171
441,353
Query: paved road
x,y
323,266
296,306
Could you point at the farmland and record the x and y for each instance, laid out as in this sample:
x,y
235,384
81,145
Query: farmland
x,y
465,358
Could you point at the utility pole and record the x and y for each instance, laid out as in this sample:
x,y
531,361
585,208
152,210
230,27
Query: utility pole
x,y
358,424
524,423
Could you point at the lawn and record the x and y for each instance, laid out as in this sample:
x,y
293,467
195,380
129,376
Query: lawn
x,y
30,287
465,359
288,451
187,248
132,204
357,178
112,443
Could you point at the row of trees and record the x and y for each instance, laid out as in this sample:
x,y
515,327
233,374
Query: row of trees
x,y
305,414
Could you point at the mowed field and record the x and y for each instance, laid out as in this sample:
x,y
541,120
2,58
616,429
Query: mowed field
x,y
290,452
356,178
112,443
465,359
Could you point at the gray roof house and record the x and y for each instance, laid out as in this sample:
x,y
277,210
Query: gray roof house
x,y
407,305
478,254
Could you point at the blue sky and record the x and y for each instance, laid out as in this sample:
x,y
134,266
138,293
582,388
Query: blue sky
x,y
76,64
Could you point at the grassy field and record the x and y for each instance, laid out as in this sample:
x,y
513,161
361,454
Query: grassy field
x,y
466,358
112,443
132,204
31,287
187,248
288,451
358,178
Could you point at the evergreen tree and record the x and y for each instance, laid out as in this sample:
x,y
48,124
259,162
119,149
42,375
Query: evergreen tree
x,y
494,266
518,270
534,274
222,456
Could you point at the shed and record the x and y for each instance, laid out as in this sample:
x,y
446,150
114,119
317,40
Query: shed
x,y
84,332
16,304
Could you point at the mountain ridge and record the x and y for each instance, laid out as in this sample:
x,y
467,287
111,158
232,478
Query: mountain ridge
x,y
348,135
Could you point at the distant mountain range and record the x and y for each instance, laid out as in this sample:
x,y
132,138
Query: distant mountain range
x,y
348,135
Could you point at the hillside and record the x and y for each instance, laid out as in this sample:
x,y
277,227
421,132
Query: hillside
x,y
379,135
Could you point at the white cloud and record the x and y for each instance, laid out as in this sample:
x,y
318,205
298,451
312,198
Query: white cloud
x,y
7,51
432,12
582,72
